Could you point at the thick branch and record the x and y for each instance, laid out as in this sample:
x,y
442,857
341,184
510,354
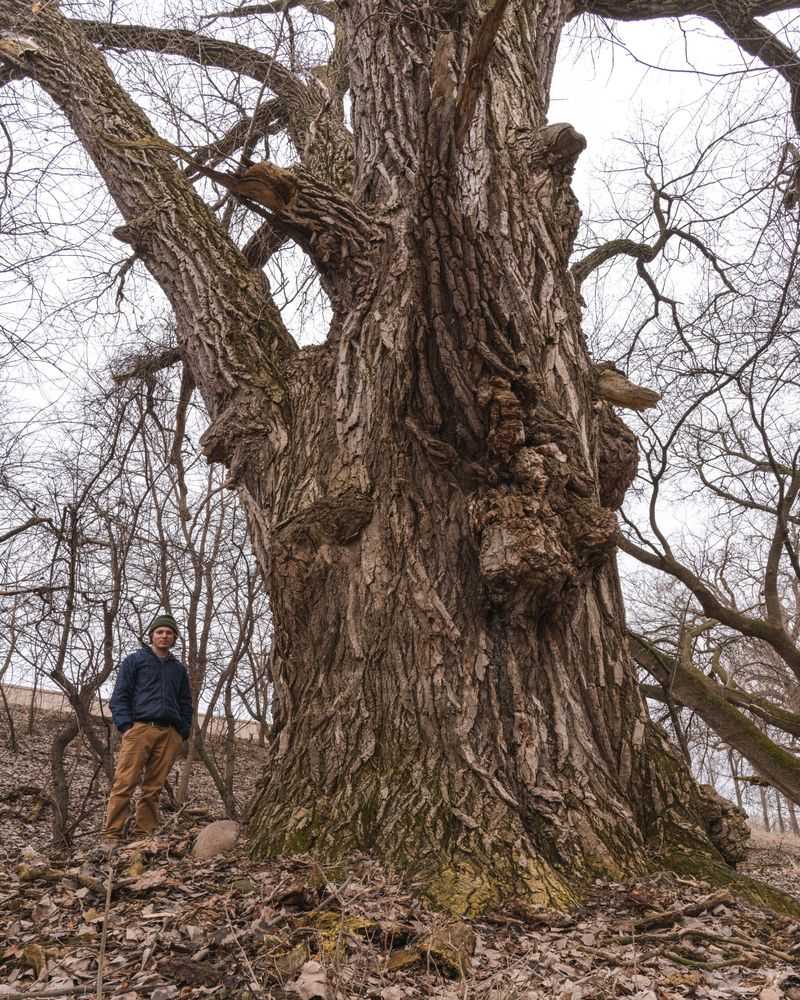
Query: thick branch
x,y
264,242
32,522
311,122
614,387
328,224
228,329
644,10
737,18
689,686
477,60
206,51
775,637
762,708
615,248
759,42
143,366
269,119
323,8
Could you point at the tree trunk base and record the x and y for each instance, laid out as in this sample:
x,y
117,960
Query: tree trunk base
x,y
486,852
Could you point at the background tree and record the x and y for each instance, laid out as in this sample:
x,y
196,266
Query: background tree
x,y
715,500
129,529
431,492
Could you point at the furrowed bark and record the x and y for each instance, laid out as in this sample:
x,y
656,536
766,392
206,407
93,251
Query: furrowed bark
x,y
467,708
431,493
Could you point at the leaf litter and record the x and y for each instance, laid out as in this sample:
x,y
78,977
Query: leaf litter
x,y
229,927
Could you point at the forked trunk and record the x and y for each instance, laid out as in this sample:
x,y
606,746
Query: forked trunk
x,y
453,683
431,493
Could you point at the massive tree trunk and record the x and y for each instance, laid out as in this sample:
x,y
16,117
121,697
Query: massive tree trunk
x,y
453,683
431,492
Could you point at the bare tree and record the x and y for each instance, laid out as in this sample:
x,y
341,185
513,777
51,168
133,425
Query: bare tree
x,y
432,491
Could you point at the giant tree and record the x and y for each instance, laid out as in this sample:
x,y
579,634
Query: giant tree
x,y
431,491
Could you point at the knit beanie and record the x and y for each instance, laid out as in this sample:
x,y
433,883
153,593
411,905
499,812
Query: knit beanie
x,y
163,620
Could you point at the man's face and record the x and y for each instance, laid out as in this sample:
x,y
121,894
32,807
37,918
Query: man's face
x,y
163,639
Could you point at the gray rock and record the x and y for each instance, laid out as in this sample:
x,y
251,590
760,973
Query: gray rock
x,y
216,838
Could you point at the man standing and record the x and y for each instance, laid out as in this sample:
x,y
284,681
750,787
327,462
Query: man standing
x,y
152,707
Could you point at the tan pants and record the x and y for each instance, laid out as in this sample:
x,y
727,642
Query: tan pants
x,y
147,752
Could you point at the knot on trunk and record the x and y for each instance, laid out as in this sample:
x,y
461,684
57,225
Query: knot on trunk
x,y
270,186
137,232
558,147
505,429
593,530
539,540
520,544
337,518
726,825
617,457
236,436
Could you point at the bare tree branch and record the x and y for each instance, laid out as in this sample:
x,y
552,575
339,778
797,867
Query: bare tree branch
x,y
312,126
146,365
264,242
319,7
762,708
201,49
269,119
643,10
243,340
713,607
759,42
32,522
736,18
688,685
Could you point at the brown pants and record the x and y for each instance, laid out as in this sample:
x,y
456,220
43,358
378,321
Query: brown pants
x,y
147,752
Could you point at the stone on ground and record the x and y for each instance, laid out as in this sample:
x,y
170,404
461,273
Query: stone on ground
x,y
216,838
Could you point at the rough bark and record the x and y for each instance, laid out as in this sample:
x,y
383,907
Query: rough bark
x,y
466,708
431,493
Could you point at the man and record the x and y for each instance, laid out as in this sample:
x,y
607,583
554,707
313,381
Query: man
x,y
152,707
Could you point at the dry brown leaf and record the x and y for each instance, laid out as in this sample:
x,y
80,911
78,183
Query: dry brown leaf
x,y
312,983
150,880
34,956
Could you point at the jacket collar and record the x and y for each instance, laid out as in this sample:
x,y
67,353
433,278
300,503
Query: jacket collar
x,y
147,648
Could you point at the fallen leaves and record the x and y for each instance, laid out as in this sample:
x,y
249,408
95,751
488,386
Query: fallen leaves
x,y
179,928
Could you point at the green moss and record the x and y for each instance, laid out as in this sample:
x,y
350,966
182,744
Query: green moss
x,y
468,888
698,864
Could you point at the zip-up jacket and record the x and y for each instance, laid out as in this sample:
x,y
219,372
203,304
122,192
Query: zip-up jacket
x,y
150,689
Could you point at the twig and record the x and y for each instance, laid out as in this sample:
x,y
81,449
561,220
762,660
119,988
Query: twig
x,y
31,873
104,935
669,917
66,991
254,983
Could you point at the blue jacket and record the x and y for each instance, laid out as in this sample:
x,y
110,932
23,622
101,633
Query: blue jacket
x,y
150,689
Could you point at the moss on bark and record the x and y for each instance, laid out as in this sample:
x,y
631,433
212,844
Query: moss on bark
x,y
699,865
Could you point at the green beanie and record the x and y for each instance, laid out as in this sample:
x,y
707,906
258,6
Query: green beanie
x,y
164,620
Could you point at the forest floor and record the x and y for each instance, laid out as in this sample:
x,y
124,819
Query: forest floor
x,y
228,927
